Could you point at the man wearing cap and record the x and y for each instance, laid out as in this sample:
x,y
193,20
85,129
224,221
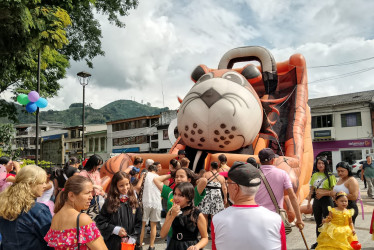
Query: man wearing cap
x,y
181,155
246,225
279,182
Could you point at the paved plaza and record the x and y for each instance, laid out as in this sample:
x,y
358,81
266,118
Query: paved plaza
x,y
294,239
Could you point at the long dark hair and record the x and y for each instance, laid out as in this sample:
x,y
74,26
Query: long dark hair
x,y
72,160
174,163
74,184
93,162
188,191
345,165
113,202
4,160
326,170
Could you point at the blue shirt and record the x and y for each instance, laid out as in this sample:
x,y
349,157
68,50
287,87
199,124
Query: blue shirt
x,y
28,230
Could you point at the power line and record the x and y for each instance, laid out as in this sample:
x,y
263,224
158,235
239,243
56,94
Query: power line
x,y
342,64
342,75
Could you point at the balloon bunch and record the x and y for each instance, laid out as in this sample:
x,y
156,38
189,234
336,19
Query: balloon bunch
x,y
32,101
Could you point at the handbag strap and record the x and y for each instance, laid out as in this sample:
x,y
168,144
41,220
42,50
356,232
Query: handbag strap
x,y
270,191
78,230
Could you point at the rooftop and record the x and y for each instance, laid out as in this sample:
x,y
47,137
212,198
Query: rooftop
x,y
364,96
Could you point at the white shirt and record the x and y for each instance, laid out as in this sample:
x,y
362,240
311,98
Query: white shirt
x,y
47,194
248,227
151,194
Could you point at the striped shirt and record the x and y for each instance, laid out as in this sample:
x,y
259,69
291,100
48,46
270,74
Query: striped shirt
x,y
279,182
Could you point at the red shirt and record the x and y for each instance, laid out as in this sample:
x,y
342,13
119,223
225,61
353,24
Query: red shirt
x,y
9,174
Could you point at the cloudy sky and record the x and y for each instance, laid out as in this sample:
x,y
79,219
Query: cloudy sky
x,y
152,58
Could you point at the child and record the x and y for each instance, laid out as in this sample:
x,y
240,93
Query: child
x,y
338,230
185,220
181,175
121,215
48,192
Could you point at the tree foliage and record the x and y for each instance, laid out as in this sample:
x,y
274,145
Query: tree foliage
x,y
6,137
60,30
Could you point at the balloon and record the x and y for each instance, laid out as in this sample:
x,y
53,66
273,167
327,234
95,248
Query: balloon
x,y
33,96
41,102
23,99
31,107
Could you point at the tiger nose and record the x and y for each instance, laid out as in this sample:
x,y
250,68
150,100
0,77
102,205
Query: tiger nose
x,y
210,97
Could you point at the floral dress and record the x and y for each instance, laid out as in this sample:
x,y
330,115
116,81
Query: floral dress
x,y
337,234
67,239
213,200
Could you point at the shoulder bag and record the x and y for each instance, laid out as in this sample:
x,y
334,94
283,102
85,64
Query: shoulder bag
x,y
280,211
78,230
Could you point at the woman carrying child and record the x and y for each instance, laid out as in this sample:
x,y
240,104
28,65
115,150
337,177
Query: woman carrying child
x,y
121,215
338,231
185,220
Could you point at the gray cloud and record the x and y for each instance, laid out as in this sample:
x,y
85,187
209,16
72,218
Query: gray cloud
x,y
153,57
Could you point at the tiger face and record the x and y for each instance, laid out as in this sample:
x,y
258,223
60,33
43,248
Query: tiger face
x,y
222,111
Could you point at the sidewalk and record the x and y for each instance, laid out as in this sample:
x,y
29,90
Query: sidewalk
x,y
294,239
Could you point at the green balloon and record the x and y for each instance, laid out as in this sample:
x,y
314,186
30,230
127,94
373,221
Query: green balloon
x,y
23,99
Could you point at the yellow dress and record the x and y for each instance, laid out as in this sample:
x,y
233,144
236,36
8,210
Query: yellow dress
x,y
336,234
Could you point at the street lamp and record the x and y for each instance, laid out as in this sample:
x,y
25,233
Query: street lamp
x,y
83,78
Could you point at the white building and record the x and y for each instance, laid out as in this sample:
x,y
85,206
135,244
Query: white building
x,y
96,143
342,126
73,142
131,135
25,137
167,125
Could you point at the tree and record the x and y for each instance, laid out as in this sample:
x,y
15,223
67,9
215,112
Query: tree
x,y
6,137
61,30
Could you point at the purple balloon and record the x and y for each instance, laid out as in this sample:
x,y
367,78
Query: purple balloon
x,y
31,107
33,96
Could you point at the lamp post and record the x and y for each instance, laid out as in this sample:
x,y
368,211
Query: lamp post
x,y
83,78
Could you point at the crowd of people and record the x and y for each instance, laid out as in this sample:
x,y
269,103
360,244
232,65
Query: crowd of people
x,y
67,208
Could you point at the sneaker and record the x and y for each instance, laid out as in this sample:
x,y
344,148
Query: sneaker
x,y
158,235
151,248
314,245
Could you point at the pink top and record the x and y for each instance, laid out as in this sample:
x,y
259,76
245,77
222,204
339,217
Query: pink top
x,y
67,239
279,182
94,177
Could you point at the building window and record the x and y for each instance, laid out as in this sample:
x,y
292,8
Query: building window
x,y
90,146
351,119
322,121
351,155
102,144
96,144
165,134
154,137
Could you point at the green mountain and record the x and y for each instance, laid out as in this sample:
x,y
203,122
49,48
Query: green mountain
x,y
116,110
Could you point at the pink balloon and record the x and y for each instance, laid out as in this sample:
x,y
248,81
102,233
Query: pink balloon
x,y
33,96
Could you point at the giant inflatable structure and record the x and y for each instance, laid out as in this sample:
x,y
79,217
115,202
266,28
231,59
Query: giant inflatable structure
x,y
239,111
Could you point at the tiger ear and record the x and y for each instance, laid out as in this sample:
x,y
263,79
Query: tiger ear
x,y
198,72
251,73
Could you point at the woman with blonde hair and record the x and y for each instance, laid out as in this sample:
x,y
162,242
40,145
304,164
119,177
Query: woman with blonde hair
x,y
70,228
24,222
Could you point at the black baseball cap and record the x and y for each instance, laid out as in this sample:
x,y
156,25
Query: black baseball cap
x,y
243,174
267,154
181,152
